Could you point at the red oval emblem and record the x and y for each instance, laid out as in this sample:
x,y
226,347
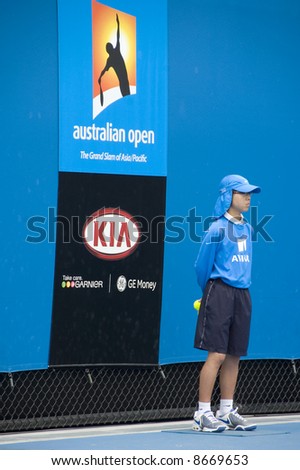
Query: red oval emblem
x,y
111,234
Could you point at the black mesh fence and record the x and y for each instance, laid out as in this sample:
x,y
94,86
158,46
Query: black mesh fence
x,y
60,398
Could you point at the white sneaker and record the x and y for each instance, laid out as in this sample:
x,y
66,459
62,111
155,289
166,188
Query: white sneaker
x,y
235,421
207,422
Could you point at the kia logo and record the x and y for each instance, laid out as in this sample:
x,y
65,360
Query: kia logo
x,y
111,234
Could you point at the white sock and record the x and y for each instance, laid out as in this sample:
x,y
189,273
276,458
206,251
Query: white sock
x,y
203,406
225,406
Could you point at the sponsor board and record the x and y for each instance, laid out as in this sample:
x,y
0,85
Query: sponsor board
x,y
113,86
112,163
108,280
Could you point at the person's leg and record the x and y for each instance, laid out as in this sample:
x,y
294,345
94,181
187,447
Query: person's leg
x,y
213,323
204,419
228,379
208,375
237,346
228,376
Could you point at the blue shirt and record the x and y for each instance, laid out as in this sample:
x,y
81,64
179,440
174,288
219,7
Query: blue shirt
x,y
226,253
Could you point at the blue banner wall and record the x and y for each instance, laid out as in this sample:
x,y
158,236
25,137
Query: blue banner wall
x,y
29,174
234,107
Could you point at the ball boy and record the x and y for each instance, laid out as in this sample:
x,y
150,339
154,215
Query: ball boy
x,y
223,269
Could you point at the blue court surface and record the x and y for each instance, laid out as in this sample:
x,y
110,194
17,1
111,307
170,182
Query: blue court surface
x,y
280,432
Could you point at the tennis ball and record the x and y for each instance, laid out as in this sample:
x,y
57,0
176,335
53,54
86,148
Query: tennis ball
x,y
197,304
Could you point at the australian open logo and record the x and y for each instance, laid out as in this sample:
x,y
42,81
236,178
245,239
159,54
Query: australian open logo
x,y
114,56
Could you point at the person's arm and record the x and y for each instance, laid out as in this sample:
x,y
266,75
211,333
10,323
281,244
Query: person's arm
x,y
205,260
107,66
118,32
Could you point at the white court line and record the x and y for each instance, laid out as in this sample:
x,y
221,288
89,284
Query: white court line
x,y
121,429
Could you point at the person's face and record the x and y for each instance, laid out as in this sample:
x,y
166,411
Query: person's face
x,y
240,201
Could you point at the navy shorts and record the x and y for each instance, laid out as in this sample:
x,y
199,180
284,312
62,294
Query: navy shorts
x,y
223,324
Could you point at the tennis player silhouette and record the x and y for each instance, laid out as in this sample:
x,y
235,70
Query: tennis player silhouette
x,y
116,62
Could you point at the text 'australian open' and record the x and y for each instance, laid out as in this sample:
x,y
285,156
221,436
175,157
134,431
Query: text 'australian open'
x,y
114,134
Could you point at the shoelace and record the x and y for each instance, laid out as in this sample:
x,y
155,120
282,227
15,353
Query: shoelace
x,y
235,412
211,417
